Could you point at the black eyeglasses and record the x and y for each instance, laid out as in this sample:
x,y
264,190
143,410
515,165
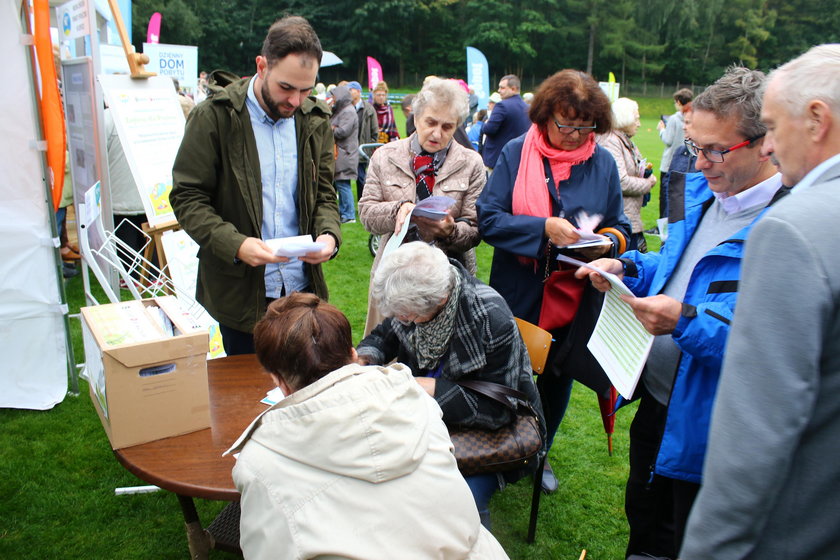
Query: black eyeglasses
x,y
568,129
716,156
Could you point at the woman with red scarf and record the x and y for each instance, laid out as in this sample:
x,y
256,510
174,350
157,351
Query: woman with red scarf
x,y
548,186
384,114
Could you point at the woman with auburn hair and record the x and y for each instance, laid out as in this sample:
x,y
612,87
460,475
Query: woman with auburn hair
x,y
384,114
548,186
354,460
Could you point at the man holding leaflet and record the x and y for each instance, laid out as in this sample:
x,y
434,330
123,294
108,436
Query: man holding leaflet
x,y
686,297
256,163
771,489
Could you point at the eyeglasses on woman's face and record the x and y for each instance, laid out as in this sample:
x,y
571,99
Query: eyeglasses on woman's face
x,y
567,129
716,156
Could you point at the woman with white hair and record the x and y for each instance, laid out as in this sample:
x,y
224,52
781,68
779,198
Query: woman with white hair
x,y
636,178
427,163
447,326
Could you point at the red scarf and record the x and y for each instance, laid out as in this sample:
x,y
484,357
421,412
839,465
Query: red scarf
x,y
530,194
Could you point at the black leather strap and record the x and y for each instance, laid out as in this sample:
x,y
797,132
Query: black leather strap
x,y
496,392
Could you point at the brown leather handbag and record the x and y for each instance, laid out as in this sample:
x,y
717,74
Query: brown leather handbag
x,y
511,447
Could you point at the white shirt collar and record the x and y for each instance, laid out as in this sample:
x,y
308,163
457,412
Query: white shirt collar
x,y
814,174
761,193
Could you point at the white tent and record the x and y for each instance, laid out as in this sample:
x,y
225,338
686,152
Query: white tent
x,y
33,339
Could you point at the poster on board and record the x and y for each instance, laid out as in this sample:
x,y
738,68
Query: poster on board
x,y
150,124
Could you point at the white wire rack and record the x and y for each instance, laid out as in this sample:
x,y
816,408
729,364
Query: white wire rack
x,y
142,278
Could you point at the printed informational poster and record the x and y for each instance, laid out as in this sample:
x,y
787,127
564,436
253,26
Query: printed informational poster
x,y
150,124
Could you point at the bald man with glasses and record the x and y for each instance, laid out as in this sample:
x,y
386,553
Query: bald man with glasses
x,y
686,298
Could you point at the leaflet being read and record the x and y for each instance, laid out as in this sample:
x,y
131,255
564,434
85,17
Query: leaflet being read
x,y
296,246
619,341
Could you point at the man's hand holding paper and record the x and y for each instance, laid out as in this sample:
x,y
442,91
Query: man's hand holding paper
x,y
658,314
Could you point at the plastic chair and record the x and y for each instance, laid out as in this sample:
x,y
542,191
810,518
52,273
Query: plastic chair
x,y
538,342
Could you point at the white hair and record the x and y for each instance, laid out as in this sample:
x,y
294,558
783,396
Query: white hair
x,y
814,75
413,279
624,112
442,93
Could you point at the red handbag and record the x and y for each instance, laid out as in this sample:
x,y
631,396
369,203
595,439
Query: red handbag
x,y
562,293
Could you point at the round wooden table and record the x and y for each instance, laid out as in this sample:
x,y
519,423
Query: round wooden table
x,y
191,465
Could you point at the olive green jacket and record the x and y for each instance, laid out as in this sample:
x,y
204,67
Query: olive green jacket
x,y
217,198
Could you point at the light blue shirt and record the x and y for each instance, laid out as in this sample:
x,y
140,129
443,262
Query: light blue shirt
x,y
277,149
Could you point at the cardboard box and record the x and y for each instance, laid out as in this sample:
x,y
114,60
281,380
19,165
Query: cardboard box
x,y
144,383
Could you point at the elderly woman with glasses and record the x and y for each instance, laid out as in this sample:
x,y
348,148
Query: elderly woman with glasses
x,y
549,186
447,327
427,163
636,178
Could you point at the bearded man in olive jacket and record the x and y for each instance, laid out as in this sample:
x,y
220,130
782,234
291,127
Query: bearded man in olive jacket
x,y
256,163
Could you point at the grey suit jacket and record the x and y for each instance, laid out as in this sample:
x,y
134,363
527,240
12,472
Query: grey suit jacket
x,y
772,474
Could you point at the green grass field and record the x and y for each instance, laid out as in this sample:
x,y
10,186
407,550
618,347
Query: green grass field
x,y
58,473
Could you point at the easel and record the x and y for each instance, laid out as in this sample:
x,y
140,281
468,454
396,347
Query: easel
x,y
156,246
136,63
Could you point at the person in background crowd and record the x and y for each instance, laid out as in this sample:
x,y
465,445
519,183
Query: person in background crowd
x,y
507,120
345,127
672,134
320,478
187,104
384,114
533,205
636,178
686,295
770,486
427,163
368,130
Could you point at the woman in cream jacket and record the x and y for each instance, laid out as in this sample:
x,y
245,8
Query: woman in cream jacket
x,y
355,462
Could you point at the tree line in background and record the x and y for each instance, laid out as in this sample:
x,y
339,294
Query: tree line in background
x,y
689,41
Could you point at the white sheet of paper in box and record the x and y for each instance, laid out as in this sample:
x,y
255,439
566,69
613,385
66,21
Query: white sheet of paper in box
x,y
296,246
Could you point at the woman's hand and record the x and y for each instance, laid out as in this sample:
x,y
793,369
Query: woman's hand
x,y
431,230
561,232
402,213
592,253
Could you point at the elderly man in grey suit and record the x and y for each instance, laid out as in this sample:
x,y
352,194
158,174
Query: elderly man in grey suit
x,y
772,474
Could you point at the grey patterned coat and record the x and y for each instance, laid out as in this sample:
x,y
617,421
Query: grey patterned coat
x,y
486,346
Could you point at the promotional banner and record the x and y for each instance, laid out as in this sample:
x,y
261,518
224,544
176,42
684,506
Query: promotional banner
x,y
478,75
153,32
176,61
374,73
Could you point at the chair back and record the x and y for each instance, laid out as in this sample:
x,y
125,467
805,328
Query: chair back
x,y
537,341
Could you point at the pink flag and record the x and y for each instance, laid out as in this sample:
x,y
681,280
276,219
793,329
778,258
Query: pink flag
x,y
153,33
374,73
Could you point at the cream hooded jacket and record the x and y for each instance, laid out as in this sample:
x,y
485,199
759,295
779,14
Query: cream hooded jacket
x,y
356,465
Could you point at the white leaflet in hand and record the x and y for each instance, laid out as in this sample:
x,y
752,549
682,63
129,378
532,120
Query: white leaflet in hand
x,y
433,207
619,341
296,246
